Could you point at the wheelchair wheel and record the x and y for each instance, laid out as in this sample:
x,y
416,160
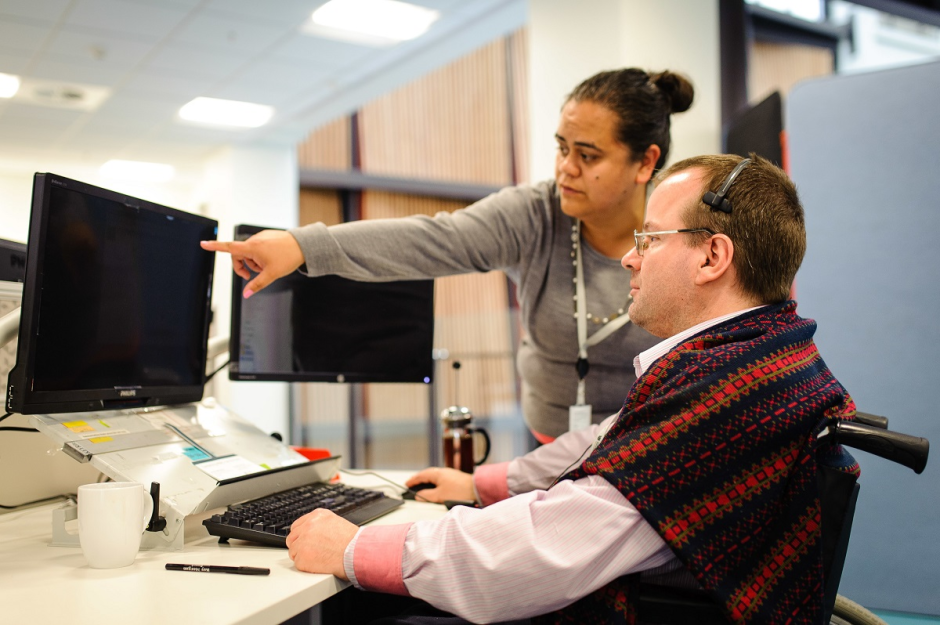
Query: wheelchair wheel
x,y
847,612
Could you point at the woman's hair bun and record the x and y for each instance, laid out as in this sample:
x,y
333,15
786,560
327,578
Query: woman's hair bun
x,y
677,89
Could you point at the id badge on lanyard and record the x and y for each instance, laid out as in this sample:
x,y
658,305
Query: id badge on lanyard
x,y
579,414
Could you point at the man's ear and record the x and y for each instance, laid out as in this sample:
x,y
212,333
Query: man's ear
x,y
716,260
648,164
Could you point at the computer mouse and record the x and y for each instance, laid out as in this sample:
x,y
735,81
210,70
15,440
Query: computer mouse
x,y
410,493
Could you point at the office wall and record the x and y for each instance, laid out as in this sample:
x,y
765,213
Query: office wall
x,y
863,152
16,193
252,185
569,41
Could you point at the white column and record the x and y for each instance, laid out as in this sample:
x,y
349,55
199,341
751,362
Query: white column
x,y
570,41
256,185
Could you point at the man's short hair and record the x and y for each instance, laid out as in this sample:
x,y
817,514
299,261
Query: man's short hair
x,y
766,222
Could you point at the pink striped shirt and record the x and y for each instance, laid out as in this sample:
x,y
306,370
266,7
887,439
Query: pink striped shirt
x,y
529,550
537,551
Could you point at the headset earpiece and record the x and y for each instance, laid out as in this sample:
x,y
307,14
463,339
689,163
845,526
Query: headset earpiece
x,y
718,201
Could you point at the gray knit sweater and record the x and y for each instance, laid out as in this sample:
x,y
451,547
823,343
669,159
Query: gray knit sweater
x,y
523,232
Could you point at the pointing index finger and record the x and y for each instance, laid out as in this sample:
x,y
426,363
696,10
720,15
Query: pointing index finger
x,y
217,246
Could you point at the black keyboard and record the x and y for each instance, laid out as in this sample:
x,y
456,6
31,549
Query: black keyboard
x,y
267,520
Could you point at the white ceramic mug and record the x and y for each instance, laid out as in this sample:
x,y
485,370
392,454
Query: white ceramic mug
x,y
111,520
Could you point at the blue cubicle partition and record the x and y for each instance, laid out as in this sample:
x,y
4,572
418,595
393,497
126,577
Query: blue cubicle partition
x,y
863,152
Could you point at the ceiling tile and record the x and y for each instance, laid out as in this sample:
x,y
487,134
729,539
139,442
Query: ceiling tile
x,y
146,22
166,86
12,61
122,106
124,128
179,4
27,114
195,62
156,55
269,82
68,70
45,10
96,48
437,5
27,39
289,13
37,136
239,35
324,52
90,141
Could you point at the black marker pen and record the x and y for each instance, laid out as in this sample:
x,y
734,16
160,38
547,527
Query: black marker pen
x,y
213,568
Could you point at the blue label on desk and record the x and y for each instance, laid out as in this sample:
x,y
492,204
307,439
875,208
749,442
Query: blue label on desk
x,y
195,454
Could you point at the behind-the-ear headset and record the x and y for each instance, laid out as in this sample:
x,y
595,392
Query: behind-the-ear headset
x,y
718,201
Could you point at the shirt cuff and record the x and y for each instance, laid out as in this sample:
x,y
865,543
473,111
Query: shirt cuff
x,y
491,482
377,556
348,560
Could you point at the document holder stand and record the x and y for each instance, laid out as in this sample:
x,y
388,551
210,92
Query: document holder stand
x,y
202,455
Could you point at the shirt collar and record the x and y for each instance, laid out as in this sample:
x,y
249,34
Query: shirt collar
x,y
647,357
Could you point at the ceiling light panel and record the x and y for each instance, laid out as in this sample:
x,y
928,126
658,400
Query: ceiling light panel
x,y
230,113
9,85
371,22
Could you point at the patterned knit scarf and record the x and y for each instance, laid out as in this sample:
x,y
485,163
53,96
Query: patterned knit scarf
x,y
715,447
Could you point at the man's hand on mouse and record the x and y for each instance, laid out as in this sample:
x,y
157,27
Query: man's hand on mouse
x,y
449,484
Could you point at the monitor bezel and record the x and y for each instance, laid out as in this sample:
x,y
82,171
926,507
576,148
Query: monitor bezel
x,y
20,398
243,231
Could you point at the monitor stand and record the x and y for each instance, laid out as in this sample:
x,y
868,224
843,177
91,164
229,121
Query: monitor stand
x,y
203,456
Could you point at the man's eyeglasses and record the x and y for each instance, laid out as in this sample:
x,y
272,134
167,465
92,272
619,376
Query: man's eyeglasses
x,y
642,239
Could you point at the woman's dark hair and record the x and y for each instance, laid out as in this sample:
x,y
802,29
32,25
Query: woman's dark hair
x,y
642,101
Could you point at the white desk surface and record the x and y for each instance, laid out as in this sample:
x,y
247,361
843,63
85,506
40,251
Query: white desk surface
x,y
44,584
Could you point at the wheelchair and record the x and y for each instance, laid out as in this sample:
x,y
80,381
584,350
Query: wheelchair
x,y
660,605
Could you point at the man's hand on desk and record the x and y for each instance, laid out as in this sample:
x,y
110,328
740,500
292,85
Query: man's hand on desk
x,y
449,484
317,541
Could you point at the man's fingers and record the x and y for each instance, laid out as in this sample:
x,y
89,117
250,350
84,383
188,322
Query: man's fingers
x,y
421,477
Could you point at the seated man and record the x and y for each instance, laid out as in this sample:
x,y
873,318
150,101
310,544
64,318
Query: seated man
x,y
706,477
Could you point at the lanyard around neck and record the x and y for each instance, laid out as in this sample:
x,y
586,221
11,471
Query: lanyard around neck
x,y
581,298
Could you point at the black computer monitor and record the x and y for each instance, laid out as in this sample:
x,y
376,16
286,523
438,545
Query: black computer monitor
x,y
116,302
759,129
330,329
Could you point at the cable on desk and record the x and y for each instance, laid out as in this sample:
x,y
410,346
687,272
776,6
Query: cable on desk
x,y
224,365
38,501
392,482
13,428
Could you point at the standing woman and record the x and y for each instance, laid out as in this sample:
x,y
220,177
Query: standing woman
x,y
560,241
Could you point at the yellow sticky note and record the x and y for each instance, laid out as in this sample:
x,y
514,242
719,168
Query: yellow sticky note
x,y
79,426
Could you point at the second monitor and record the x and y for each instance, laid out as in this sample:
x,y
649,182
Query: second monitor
x,y
331,329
